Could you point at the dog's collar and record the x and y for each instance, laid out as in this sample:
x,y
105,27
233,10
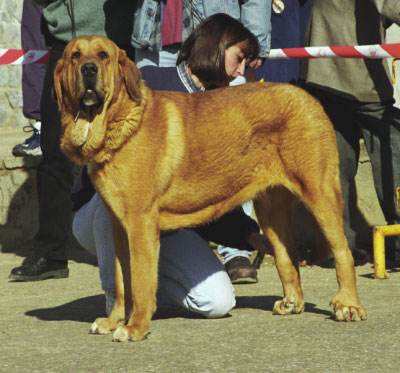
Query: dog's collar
x,y
77,116
90,120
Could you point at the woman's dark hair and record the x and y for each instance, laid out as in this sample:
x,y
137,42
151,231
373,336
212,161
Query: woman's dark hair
x,y
204,49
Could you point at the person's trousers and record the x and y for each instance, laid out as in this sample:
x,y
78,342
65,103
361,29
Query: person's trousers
x,y
33,74
54,176
379,125
190,274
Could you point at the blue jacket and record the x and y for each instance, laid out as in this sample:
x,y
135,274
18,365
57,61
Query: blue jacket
x,y
288,30
254,14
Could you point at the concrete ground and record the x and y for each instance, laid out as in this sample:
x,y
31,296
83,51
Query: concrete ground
x,y
44,328
44,325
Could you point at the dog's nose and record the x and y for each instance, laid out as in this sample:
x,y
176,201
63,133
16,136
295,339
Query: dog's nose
x,y
89,69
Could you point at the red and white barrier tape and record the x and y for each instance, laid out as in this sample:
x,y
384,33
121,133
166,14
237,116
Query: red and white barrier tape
x,y
20,56
359,51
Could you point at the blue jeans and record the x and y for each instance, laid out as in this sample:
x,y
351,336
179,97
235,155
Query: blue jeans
x,y
190,274
229,253
165,58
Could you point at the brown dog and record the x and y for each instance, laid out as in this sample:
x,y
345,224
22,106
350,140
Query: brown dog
x,y
166,160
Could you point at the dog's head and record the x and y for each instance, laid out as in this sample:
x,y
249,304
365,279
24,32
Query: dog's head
x,y
92,68
95,84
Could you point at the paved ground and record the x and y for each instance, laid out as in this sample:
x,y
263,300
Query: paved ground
x,y
44,328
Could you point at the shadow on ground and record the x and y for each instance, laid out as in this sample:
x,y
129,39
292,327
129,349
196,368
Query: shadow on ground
x,y
87,309
82,310
266,303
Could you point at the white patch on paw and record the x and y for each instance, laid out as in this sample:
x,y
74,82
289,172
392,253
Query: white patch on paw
x,y
354,315
93,328
284,307
121,335
343,314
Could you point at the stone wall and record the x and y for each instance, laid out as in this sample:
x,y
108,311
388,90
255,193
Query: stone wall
x,y
10,75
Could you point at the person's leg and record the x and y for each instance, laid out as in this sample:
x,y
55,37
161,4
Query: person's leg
x,y
54,177
32,79
381,131
237,262
92,229
344,120
32,74
82,225
190,273
54,182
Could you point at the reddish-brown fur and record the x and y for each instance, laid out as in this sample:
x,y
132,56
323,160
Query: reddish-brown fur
x,y
165,160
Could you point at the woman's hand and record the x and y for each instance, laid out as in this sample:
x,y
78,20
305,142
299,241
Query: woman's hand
x,y
255,64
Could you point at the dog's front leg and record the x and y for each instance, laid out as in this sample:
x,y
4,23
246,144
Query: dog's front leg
x,y
123,301
144,244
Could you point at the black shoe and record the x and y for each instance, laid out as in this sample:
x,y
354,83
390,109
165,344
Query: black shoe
x,y
240,270
361,257
36,268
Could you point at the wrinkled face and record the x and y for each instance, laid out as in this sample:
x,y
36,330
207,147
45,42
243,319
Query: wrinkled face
x,y
94,82
86,71
91,70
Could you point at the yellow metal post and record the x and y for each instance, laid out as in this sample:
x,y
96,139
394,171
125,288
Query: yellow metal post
x,y
394,69
379,234
379,252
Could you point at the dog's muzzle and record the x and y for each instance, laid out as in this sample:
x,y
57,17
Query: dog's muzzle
x,y
89,73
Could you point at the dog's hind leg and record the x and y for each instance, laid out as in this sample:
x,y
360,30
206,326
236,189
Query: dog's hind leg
x,y
123,302
274,209
325,203
141,285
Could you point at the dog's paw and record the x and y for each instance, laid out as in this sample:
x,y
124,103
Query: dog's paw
x,y
348,313
128,333
103,326
287,306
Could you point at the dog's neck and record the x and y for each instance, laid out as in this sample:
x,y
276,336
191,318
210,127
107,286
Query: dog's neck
x,y
94,138
90,114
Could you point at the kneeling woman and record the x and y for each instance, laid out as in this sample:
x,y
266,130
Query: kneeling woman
x,y
190,274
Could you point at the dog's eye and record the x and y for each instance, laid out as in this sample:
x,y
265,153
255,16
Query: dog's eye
x,y
75,55
103,55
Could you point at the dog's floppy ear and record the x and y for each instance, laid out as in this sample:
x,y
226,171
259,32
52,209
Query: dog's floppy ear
x,y
58,81
132,76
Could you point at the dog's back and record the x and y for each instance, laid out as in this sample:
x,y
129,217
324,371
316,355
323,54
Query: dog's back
x,y
222,147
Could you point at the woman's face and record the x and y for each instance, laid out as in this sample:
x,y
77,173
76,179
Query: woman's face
x,y
235,63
